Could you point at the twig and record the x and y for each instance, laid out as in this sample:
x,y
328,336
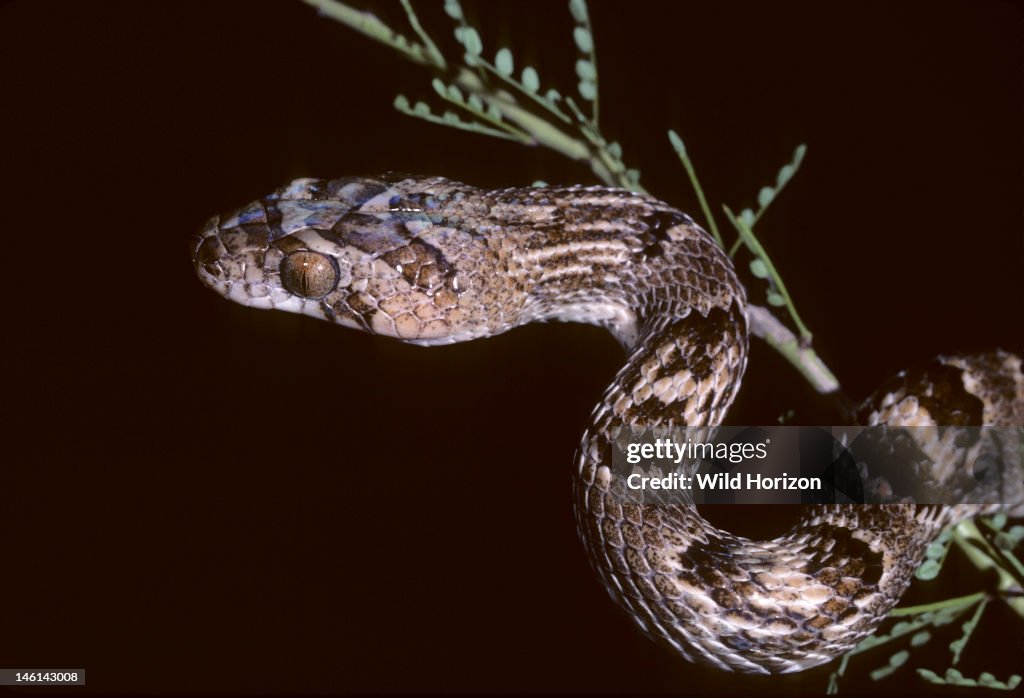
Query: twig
x,y
764,325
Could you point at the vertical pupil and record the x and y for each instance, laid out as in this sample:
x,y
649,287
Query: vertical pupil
x,y
306,279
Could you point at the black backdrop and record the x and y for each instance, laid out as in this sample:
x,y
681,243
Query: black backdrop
x,y
198,496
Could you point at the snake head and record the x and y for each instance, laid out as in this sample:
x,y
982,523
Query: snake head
x,y
278,252
352,251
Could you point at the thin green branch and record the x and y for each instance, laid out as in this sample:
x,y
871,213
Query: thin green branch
x,y
691,173
472,78
543,131
957,646
768,194
1004,553
421,111
435,54
985,557
616,169
760,253
984,680
767,327
367,24
516,85
960,603
479,113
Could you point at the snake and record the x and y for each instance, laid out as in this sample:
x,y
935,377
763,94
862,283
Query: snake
x,y
432,261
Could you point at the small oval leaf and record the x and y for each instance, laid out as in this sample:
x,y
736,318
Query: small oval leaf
x,y
1004,542
578,8
584,39
798,154
587,90
453,9
468,37
503,62
677,142
759,269
473,43
785,174
929,569
585,70
531,81
775,299
920,638
765,196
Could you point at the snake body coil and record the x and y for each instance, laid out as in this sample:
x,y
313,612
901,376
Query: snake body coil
x,y
431,261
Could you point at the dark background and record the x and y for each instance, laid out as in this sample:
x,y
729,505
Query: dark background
x,y
203,497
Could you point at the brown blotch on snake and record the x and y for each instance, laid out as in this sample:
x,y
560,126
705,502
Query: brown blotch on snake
x,y
431,261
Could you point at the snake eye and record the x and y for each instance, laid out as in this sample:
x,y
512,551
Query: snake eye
x,y
309,274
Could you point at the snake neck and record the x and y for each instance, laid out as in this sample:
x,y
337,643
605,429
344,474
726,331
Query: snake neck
x,y
622,261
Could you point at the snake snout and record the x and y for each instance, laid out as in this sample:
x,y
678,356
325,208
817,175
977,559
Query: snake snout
x,y
219,267
241,267
208,253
